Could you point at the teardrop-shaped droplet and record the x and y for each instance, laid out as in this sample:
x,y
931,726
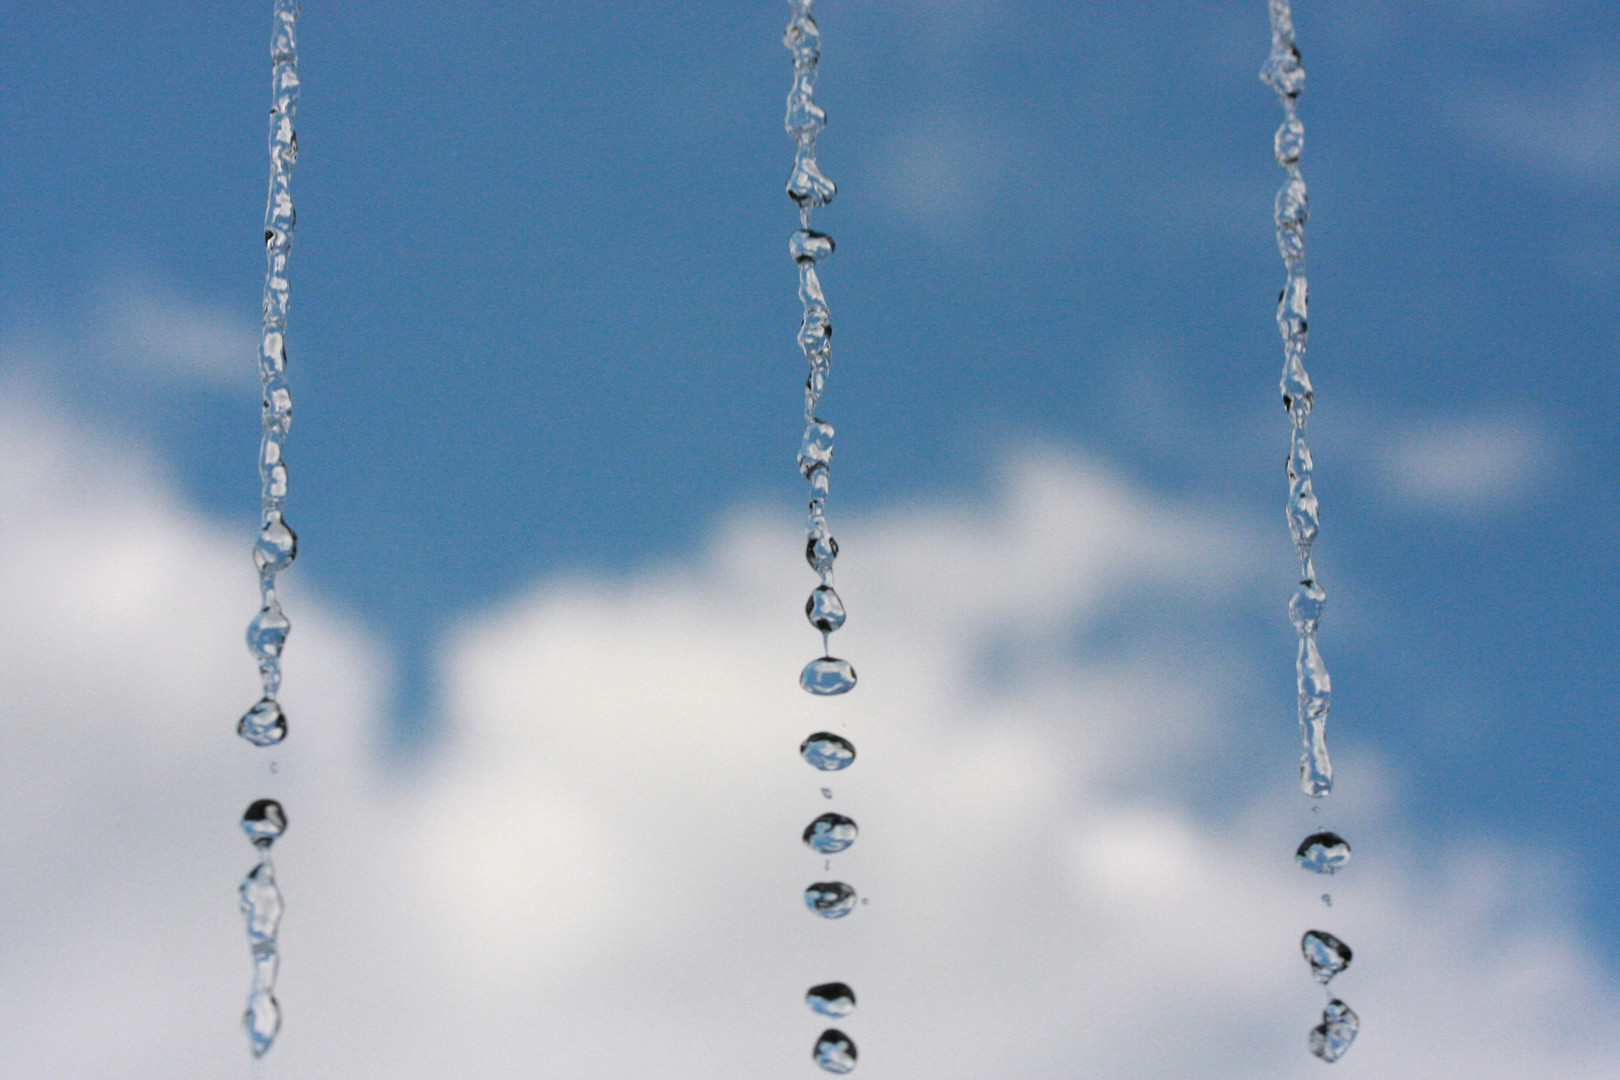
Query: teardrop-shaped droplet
x,y
262,1021
830,899
261,903
1323,853
808,245
828,752
1332,1037
267,633
264,822
835,1052
277,546
824,609
831,833
1326,954
831,999
827,675
264,724
816,448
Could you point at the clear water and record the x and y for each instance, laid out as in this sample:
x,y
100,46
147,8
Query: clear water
x,y
264,821
1332,1037
830,899
828,752
1326,954
833,999
826,676
830,833
835,1051
1323,853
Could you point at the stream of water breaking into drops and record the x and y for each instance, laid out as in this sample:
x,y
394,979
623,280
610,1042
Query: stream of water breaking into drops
x,y
265,724
1322,852
826,675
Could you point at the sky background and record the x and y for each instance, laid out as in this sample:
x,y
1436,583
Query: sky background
x,y
546,609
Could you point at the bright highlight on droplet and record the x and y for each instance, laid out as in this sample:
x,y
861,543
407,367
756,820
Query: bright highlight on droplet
x,y
834,999
830,899
1326,954
835,1052
264,724
830,833
1332,1037
1323,853
827,676
828,752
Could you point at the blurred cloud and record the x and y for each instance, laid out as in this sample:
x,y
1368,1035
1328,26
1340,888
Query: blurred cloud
x,y
145,328
1465,464
1567,124
599,873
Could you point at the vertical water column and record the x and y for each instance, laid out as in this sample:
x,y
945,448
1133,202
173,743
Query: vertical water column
x,y
265,724
825,675
1323,852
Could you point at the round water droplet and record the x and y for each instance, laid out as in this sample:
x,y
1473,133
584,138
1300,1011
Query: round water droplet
x,y
830,899
831,999
264,822
808,245
835,1052
267,633
1323,853
277,546
264,724
820,551
831,833
824,609
827,675
1332,1037
1326,954
828,752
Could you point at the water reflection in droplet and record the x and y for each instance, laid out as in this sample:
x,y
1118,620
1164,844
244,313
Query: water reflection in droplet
x,y
831,999
1323,853
835,1052
828,752
827,675
1332,1037
1326,954
831,833
830,899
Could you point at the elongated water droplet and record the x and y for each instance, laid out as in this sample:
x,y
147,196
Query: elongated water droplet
x,y
1323,853
262,1019
830,833
1306,605
1332,1037
817,446
1326,954
267,633
277,546
264,822
264,724
831,999
827,675
830,899
1289,142
828,752
824,609
835,1052
261,903
807,185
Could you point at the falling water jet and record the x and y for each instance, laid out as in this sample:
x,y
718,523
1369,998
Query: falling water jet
x,y
264,821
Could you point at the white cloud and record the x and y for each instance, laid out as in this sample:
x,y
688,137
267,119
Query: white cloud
x,y
1567,124
1465,464
142,328
599,876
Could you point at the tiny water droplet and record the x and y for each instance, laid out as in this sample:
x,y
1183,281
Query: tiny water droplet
x,y
1326,954
835,1052
277,546
824,609
1332,1037
827,675
830,899
831,833
275,766
1327,899
264,724
1323,852
826,793
264,821
831,999
828,752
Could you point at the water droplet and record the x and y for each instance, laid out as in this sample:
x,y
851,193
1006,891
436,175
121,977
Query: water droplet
x,y
1323,853
835,1052
828,752
1326,954
830,899
831,999
804,117
267,633
824,609
820,550
1332,1037
807,185
261,903
262,1019
816,448
826,793
1289,142
1327,899
264,822
264,724
277,546
808,245
827,675
831,833
1305,606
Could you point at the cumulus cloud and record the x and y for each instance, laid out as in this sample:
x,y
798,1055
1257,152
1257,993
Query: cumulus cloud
x,y
1465,463
599,875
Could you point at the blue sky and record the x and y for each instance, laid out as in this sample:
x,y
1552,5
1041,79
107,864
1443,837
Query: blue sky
x,y
543,322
